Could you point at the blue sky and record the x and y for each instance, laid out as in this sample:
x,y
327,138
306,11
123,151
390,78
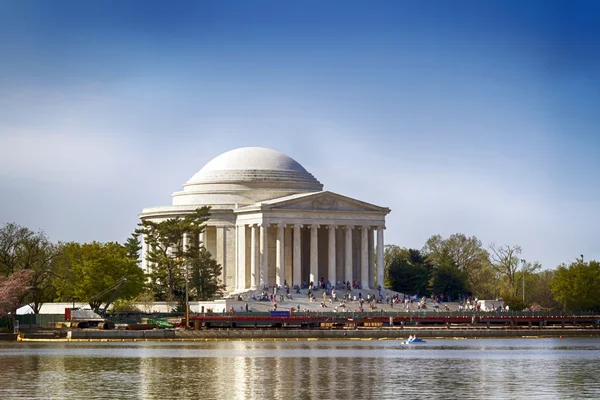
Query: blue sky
x,y
467,116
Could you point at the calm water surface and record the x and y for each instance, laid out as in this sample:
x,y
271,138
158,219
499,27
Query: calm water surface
x,y
451,369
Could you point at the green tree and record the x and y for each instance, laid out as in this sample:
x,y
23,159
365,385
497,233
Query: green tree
x,y
406,269
576,286
133,246
467,255
446,278
88,269
206,274
487,283
167,255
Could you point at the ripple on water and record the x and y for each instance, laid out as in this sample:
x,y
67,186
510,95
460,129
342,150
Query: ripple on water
x,y
469,369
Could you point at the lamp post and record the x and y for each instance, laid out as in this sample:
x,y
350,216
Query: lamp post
x,y
187,300
186,245
523,261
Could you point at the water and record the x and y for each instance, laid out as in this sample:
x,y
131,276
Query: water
x,y
464,369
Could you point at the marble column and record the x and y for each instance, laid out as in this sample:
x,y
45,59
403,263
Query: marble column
x,y
314,254
201,238
241,257
280,256
210,240
339,254
297,266
264,255
380,260
331,276
348,273
254,271
287,244
364,258
220,256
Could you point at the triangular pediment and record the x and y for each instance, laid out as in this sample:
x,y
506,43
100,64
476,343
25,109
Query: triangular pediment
x,y
321,201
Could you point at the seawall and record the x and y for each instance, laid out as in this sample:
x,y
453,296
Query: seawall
x,y
312,334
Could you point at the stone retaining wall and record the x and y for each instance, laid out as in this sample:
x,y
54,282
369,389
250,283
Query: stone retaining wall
x,y
305,334
233,334
118,334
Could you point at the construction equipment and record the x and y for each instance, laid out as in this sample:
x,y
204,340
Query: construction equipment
x,y
116,288
82,318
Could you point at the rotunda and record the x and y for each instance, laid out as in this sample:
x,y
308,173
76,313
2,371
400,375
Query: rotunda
x,y
271,223
246,176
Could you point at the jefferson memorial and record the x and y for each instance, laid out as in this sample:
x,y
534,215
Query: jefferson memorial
x,y
272,223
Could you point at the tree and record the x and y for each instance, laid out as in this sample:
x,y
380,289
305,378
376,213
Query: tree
x,y
13,291
37,254
133,246
167,255
206,274
466,253
406,270
23,249
446,278
11,239
576,286
539,290
506,261
89,269
42,280
486,286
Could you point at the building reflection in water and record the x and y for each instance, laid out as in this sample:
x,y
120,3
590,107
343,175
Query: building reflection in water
x,y
324,370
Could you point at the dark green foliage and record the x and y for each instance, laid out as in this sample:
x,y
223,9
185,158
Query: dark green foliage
x,y
206,273
466,253
515,303
168,258
167,255
133,246
447,278
406,270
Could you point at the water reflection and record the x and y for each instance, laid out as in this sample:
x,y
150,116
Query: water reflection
x,y
509,368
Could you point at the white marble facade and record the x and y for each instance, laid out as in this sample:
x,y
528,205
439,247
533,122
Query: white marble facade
x,y
272,223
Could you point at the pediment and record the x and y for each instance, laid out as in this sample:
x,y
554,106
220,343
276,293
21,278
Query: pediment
x,y
322,201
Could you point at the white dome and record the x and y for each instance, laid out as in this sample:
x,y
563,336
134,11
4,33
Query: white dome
x,y
246,176
253,158
252,164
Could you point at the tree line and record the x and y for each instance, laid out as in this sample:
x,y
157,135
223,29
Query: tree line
x,y
460,265
34,270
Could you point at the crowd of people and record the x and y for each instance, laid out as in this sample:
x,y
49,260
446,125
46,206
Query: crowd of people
x,y
340,297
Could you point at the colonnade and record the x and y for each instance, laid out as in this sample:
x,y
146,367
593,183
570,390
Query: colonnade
x,y
243,252
371,272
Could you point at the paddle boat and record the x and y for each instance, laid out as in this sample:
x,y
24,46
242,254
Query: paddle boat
x,y
413,339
